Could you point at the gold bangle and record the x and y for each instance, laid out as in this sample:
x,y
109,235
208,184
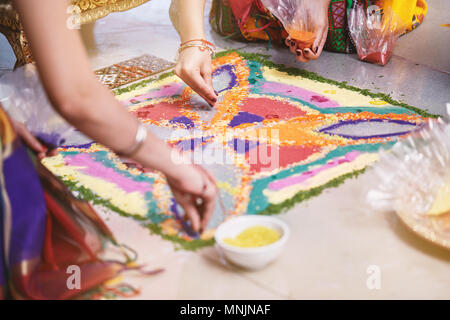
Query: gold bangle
x,y
203,41
202,47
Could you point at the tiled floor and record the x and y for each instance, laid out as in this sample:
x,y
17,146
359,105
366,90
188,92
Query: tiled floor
x,y
334,237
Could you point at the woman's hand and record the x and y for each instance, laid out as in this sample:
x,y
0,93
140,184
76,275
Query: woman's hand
x,y
31,141
193,65
194,68
318,9
195,191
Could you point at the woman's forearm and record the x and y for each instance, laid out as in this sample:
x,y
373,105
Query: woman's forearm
x,y
73,89
187,17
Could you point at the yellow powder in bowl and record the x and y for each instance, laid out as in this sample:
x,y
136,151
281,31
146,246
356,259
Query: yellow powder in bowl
x,y
256,236
441,203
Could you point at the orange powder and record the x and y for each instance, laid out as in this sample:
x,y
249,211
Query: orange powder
x,y
305,39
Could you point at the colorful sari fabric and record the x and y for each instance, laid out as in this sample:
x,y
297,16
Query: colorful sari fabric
x,y
45,234
248,20
338,39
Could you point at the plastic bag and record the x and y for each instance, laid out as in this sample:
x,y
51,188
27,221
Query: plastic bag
x,y
374,31
299,18
24,99
414,173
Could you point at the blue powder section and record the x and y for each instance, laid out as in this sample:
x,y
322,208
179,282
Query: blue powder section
x,y
258,202
184,121
244,117
153,212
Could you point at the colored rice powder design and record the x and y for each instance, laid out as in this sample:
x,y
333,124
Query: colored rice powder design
x,y
253,237
308,133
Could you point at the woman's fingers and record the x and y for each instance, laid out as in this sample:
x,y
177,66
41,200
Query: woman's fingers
x,y
318,45
185,200
198,84
194,68
318,39
209,197
301,55
208,174
28,138
207,77
196,193
287,41
292,44
52,153
295,49
323,41
310,54
209,204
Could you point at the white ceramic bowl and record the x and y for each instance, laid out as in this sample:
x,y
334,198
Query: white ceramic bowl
x,y
251,258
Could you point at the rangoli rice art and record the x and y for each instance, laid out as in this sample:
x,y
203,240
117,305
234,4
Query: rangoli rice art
x,y
131,70
277,136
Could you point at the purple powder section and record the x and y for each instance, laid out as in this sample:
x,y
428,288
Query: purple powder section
x,y
97,169
244,117
242,146
229,69
290,181
80,146
184,121
296,92
164,91
377,125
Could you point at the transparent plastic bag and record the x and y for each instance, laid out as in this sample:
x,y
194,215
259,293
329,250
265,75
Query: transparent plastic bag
x,y
24,99
374,31
299,18
410,176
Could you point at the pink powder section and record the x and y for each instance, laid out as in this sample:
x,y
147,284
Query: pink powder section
x,y
287,182
271,108
98,170
159,111
287,155
164,91
296,92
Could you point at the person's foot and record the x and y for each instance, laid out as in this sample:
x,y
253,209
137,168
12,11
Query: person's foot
x,y
303,50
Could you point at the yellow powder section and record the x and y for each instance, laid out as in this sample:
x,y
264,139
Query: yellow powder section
x,y
228,187
133,203
342,96
441,202
253,237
